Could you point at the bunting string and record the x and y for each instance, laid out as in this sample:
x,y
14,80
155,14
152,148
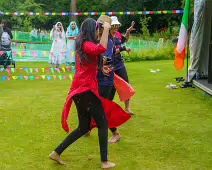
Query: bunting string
x,y
22,46
91,13
36,70
39,77
37,54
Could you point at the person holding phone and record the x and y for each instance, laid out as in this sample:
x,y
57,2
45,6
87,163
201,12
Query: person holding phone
x,y
106,81
58,48
71,34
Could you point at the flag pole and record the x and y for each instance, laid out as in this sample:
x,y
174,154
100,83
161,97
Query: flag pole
x,y
187,84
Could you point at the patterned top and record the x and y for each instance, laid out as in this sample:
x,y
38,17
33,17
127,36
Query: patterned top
x,y
105,80
119,40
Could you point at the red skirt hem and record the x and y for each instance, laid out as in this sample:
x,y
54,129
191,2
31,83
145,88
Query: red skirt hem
x,y
115,115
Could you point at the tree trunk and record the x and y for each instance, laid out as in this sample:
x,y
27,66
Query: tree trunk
x,y
73,9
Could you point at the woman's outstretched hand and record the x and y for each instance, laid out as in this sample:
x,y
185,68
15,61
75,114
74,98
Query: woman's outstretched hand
x,y
132,26
128,50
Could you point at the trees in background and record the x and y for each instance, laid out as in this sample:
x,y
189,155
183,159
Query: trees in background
x,y
154,23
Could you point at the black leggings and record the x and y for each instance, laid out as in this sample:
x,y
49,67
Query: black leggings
x,y
123,74
88,105
106,92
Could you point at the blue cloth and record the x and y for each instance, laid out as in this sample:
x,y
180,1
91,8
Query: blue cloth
x,y
70,32
104,80
119,62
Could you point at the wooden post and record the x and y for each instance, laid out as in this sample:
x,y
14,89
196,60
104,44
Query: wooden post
x,y
73,8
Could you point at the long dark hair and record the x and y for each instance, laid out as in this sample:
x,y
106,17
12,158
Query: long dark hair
x,y
87,33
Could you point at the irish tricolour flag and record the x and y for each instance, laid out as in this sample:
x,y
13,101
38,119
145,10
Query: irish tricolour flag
x,y
180,50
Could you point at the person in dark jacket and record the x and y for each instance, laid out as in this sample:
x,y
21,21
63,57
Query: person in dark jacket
x,y
1,32
6,37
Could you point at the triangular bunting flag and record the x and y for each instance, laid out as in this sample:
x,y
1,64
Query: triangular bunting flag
x,y
63,54
52,70
13,70
36,69
73,70
8,70
37,77
39,54
26,77
8,53
49,77
34,55
3,78
60,77
68,69
47,69
70,76
14,77
31,77
30,69
14,53
26,69
64,70
58,70
20,54
52,54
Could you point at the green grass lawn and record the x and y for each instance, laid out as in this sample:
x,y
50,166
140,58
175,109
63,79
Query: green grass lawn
x,y
171,129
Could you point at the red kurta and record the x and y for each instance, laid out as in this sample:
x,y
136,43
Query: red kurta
x,y
84,80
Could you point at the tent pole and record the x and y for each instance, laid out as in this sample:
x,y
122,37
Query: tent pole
x,y
187,84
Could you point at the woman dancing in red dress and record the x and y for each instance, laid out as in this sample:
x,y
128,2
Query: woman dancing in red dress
x,y
93,110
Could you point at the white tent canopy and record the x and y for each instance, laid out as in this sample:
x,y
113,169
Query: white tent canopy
x,y
200,39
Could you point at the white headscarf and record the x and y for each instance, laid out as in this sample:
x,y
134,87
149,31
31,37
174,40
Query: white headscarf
x,y
56,26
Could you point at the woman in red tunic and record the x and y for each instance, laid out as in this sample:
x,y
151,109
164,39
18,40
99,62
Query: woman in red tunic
x,y
93,110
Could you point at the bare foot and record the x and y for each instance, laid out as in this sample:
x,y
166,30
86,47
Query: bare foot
x,y
108,165
129,111
55,157
115,138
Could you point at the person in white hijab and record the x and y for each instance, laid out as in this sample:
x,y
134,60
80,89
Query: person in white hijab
x,y
71,34
58,49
